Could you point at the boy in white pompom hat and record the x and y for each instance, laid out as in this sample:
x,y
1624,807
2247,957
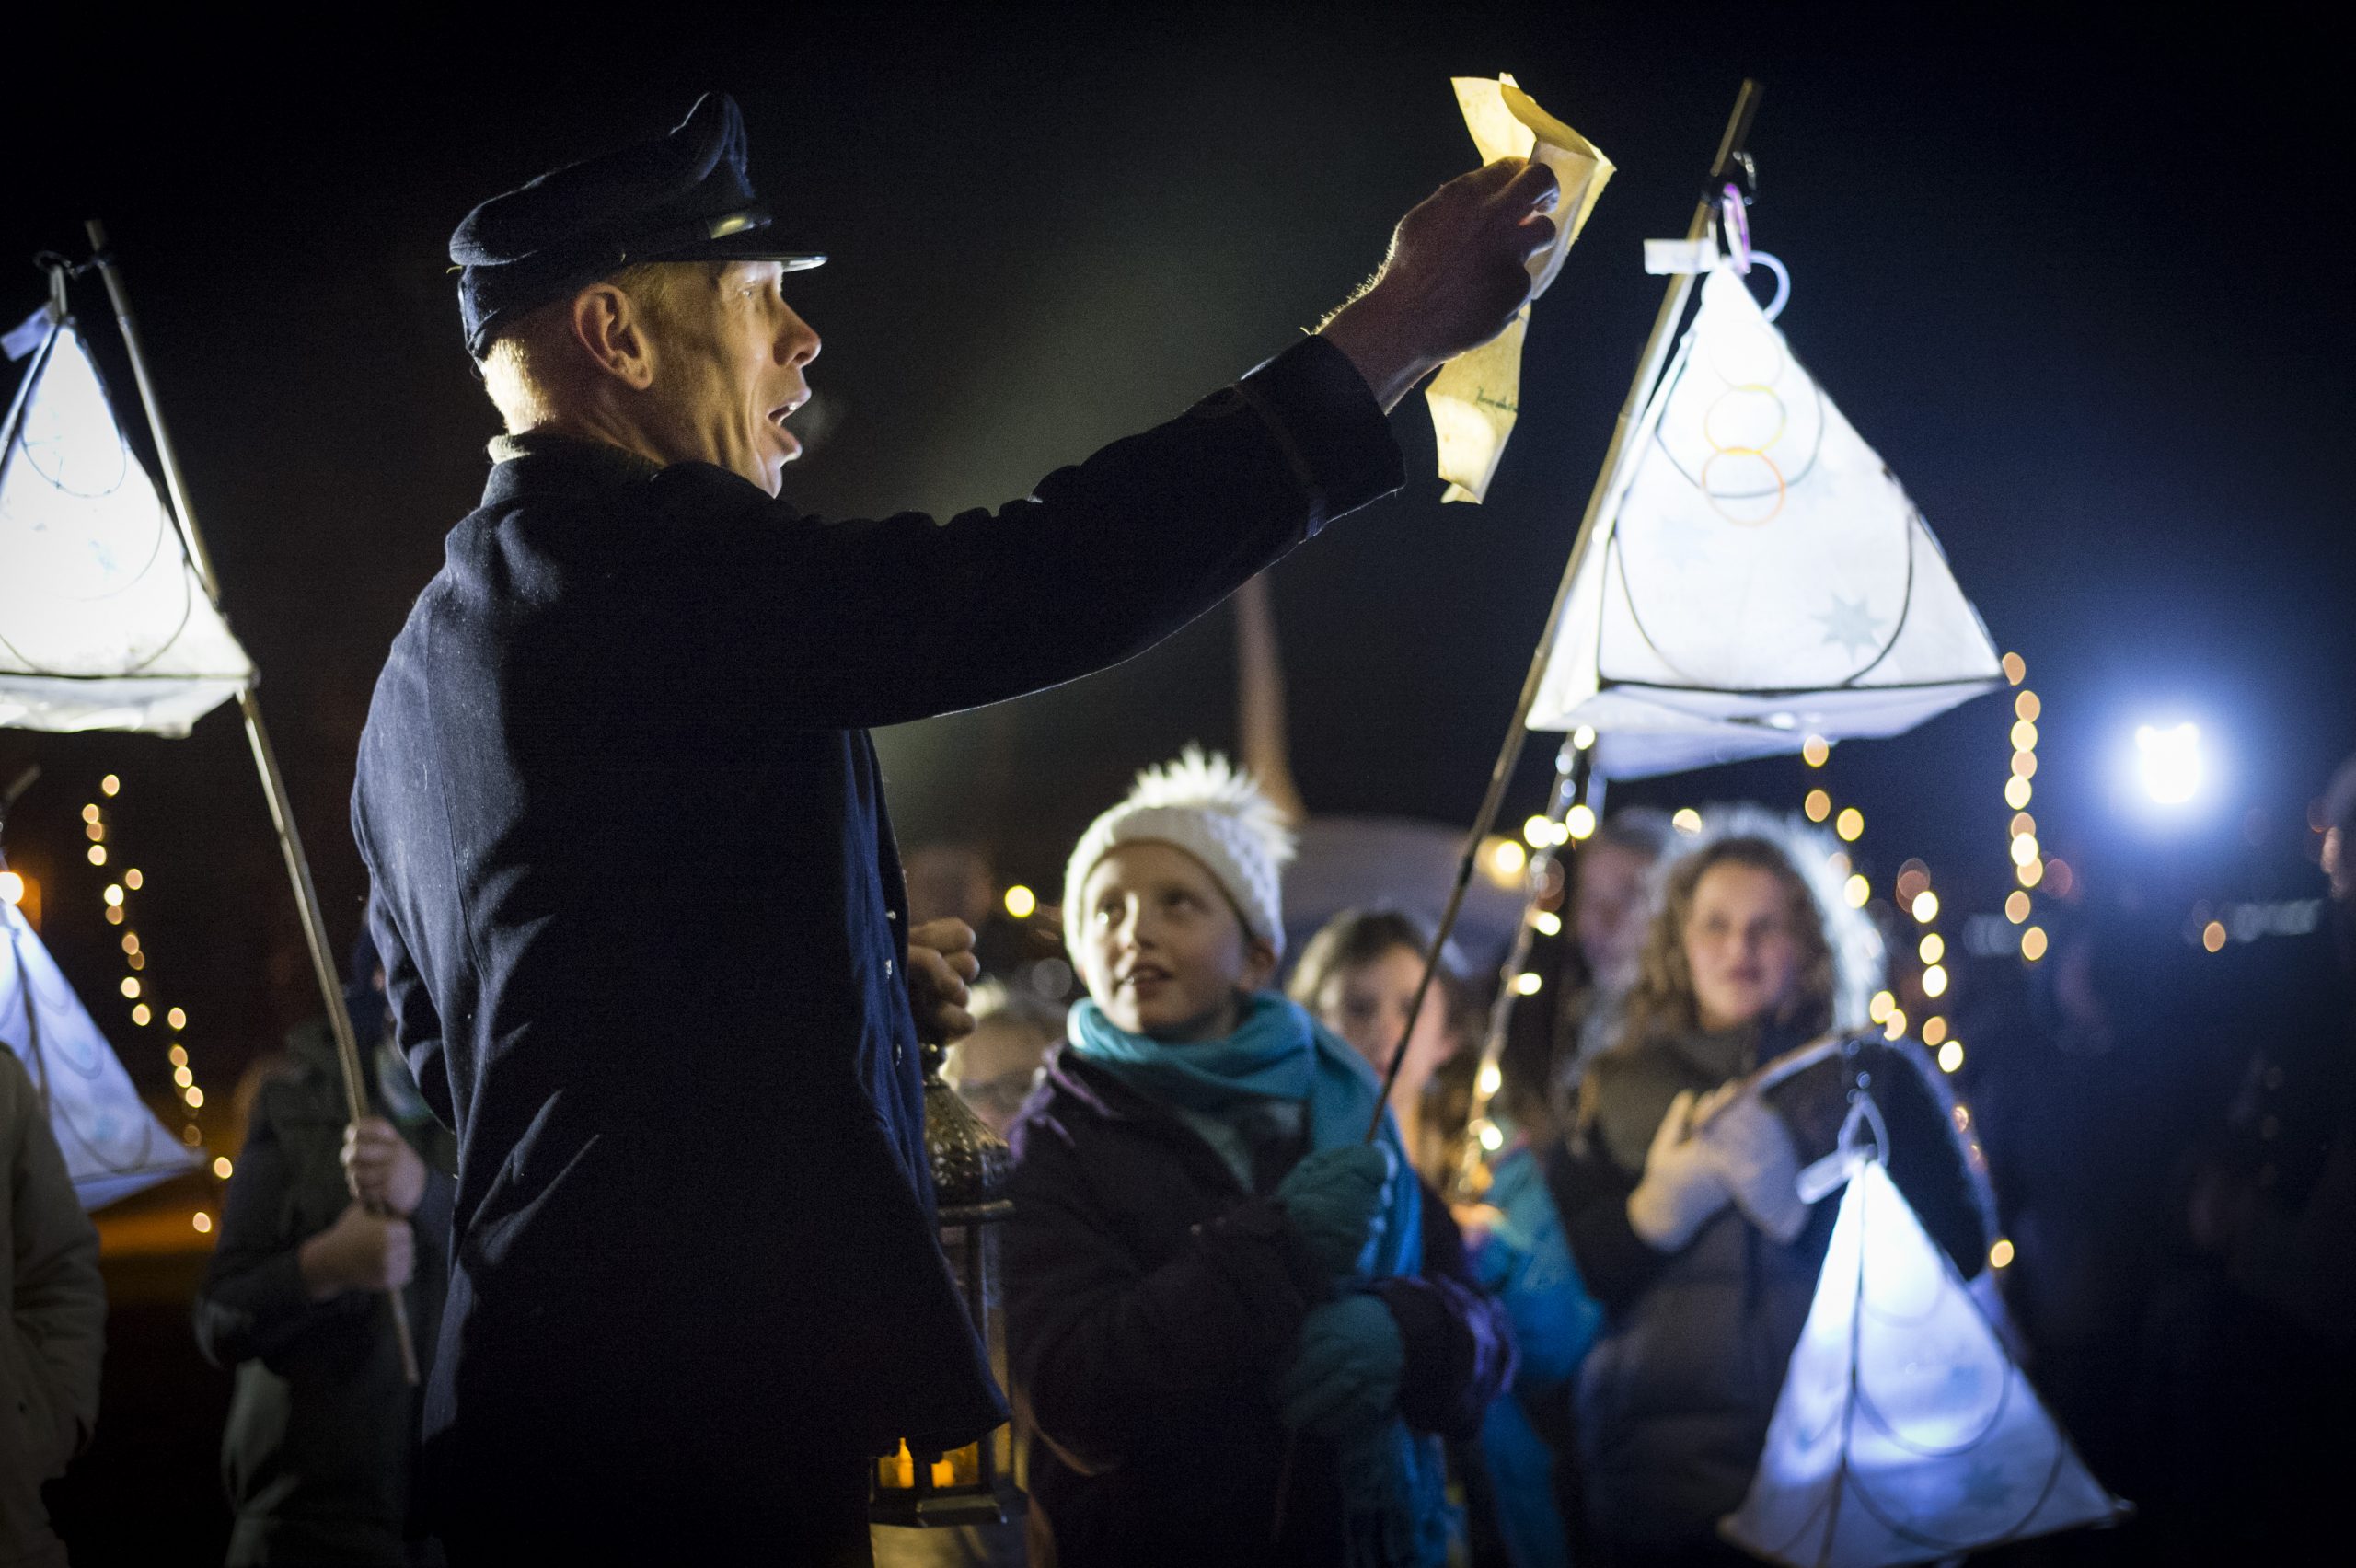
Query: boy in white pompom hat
x,y
1236,1325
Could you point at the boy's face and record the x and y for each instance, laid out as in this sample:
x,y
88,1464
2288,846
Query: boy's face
x,y
1162,949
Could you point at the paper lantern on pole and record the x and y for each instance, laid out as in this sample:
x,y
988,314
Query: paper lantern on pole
x,y
975,1484
104,622
1904,1432
1759,575
112,1143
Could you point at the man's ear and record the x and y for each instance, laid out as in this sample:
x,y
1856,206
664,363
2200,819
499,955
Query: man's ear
x,y
611,329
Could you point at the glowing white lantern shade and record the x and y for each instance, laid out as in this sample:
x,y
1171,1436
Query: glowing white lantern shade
x,y
113,1145
103,623
1758,576
1904,1433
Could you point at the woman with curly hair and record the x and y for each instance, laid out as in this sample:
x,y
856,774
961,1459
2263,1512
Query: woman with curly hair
x,y
1677,1189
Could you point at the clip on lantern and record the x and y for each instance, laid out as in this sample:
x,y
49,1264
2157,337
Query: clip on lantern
x,y
975,1484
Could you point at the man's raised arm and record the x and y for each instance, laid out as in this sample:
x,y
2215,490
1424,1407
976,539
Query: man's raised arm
x,y
904,618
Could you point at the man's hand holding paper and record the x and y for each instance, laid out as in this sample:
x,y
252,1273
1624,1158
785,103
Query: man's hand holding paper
x,y
1475,398
1457,272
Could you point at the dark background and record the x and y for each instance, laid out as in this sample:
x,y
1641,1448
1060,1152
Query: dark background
x,y
2075,279
2078,277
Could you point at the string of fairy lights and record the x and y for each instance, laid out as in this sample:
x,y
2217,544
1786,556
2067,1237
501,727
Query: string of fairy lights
x,y
1915,898
139,990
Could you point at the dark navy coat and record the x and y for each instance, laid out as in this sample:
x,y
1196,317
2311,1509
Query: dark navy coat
x,y
643,921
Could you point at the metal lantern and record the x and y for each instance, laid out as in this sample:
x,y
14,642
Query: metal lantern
x,y
975,1484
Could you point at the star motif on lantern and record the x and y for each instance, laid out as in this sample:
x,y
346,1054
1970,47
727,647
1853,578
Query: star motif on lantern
x,y
1678,540
1850,624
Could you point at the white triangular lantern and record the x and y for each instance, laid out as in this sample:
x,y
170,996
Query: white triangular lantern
x,y
1757,575
112,1143
1904,1432
103,622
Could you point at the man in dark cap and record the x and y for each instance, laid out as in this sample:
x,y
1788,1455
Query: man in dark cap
x,y
642,916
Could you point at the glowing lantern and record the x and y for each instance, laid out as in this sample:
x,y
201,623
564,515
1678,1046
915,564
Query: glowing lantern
x,y
112,1143
103,623
1758,582
975,1484
1904,1432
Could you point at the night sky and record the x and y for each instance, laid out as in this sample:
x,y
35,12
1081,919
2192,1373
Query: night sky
x,y
2080,284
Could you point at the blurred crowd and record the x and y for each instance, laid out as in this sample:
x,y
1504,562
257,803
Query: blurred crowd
x,y
1542,1317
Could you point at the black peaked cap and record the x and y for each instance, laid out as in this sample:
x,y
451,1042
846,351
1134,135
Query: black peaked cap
x,y
684,196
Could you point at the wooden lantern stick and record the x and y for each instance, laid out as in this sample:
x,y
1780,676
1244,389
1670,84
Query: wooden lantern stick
x,y
281,809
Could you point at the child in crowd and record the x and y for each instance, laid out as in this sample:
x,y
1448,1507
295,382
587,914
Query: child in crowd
x,y
1679,1191
1358,976
1236,1326
994,1068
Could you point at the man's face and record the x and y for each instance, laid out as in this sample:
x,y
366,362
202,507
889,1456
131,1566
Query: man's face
x,y
994,1067
1607,913
728,355
1162,949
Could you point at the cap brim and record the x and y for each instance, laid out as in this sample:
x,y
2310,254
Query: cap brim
x,y
751,245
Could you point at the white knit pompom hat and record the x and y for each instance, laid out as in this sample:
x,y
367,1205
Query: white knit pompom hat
x,y
1215,812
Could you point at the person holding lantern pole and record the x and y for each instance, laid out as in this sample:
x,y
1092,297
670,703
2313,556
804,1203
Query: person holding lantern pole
x,y
321,1216
1237,1327
643,914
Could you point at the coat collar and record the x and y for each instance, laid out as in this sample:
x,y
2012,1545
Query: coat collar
x,y
543,463
1074,1090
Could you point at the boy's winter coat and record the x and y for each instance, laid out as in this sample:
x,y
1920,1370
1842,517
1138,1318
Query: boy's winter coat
x,y
1152,1304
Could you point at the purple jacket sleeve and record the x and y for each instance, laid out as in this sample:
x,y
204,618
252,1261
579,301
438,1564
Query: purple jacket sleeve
x,y
1459,1347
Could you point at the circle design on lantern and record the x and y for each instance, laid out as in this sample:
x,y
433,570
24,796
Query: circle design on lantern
x,y
1717,497
1745,411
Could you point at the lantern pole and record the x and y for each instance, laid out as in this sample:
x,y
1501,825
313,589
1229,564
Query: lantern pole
x,y
1648,369
281,809
1573,786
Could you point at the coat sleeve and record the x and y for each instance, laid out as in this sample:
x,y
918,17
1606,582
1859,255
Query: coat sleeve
x,y
858,624
1460,1346
253,1305
1591,1194
417,1027
59,1313
1102,1349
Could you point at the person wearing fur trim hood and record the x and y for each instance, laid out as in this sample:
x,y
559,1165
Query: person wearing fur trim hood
x,y
1678,1186
1235,1325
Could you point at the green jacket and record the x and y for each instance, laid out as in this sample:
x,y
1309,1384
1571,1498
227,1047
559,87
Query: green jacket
x,y
56,1325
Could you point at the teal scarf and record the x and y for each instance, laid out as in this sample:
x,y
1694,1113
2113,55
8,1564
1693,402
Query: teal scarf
x,y
1393,1478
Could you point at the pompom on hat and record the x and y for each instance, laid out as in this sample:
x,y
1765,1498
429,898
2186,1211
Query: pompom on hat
x,y
1215,812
